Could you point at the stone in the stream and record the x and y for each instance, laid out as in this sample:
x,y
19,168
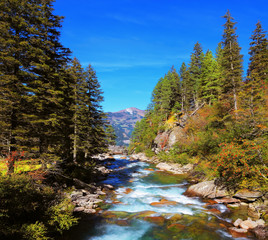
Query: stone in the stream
x,y
176,217
206,189
79,209
238,232
248,224
89,211
176,227
260,232
163,202
214,210
238,222
260,222
128,190
144,214
248,195
155,219
227,200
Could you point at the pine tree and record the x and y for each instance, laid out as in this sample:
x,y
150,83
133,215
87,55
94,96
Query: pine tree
x,y
110,135
231,62
31,84
185,87
254,93
195,74
210,87
95,119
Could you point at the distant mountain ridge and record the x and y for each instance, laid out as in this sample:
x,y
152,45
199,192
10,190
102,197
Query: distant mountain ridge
x,y
123,122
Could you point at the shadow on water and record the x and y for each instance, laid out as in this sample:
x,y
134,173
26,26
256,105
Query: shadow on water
x,y
122,170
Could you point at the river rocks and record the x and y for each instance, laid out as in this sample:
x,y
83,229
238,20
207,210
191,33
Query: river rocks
x,y
238,222
149,169
207,189
260,232
168,167
248,195
227,200
175,217
144,214
140,156
155,219
249,224
238,232
163,202
128,190
176,227
175,168
214,210
85,201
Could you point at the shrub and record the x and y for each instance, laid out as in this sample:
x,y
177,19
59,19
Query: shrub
x,y
240,162
35,231
149,153
61,216
28,211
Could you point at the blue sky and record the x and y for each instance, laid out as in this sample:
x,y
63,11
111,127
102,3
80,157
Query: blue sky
x,y
132,43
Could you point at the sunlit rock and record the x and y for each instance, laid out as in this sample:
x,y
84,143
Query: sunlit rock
x,y
248,224
163,202
144,214
155,219
206,189
238,232
238,222
128,190
176,227
248,195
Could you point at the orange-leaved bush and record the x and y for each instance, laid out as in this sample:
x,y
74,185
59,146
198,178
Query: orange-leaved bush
x,y
241,160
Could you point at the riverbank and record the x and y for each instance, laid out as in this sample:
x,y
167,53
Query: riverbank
x,y
149,202
255,202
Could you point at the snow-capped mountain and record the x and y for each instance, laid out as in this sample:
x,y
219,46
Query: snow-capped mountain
x,y
123,122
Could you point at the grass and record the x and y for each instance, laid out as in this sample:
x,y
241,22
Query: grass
x,y
21,166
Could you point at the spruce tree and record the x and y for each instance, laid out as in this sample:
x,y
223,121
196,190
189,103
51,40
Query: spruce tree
x,y
32,60
185,87
210,87
195,74
255,88
231,63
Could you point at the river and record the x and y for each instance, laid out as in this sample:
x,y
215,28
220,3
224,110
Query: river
x,y
148,204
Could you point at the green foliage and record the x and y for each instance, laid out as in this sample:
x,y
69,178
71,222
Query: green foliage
x,y
30,212
110,135
231,109
61,215
174,156
35,231
149,153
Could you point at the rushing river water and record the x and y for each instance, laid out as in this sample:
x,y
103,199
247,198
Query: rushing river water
x,y
148,204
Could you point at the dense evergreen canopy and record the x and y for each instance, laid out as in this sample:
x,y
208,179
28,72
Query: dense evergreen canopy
x,y
48,106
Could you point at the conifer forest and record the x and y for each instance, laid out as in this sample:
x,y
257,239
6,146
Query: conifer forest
x,y
55,137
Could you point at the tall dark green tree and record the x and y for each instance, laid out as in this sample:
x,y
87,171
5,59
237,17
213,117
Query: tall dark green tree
x,y
255,88
185,87
210,73
195,74
31,84
231,62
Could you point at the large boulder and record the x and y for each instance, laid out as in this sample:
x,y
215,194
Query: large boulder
x,y
207,189
248,195
175,135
